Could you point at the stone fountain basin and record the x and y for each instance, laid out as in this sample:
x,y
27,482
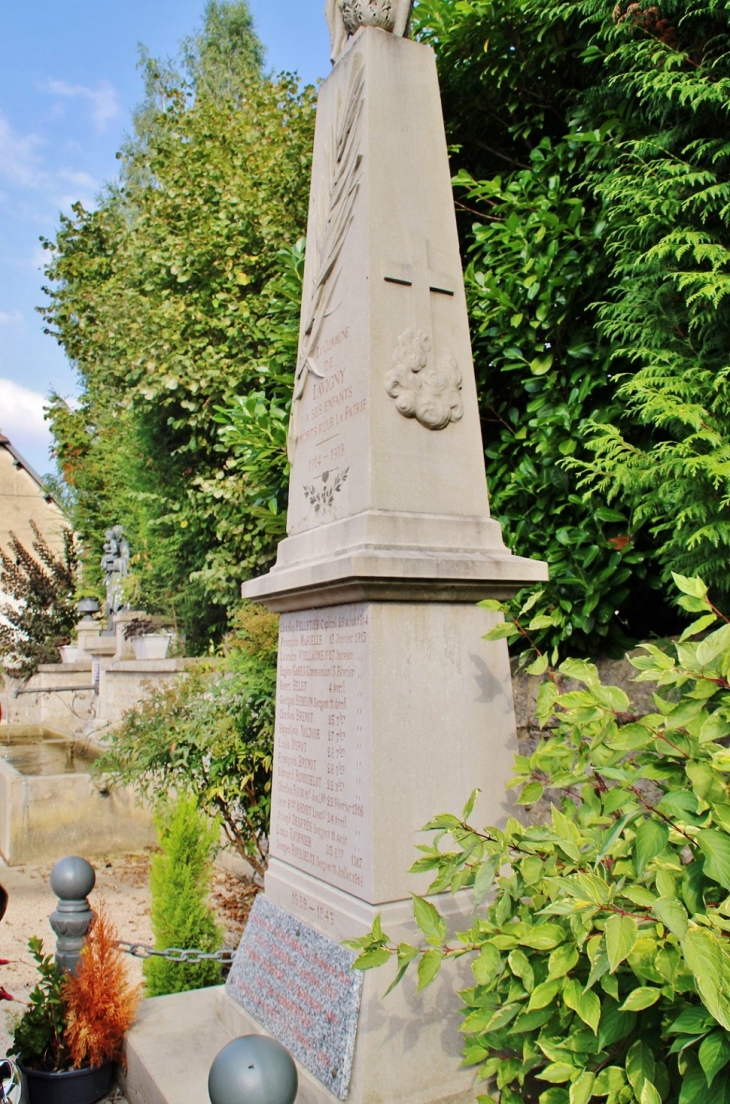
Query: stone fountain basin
x,y
51,805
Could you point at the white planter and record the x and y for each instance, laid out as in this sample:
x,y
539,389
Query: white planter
x,y
152,646
70,653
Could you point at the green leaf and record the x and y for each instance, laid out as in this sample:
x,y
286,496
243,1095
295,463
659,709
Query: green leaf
x,y
585,1003
709,962
639,895
691,1021
582,1088
621,934
540,365
429,967
494,604
469,807
542,937
640,1066
715,847
692,586
557,1073
698,626
485,878
520,966
651,839
609,1081
650,1094
406,954
429,920
641,998
539,666
503,631
543,994
672,914
531,793
714,1054
562,960
486,965
368,960
694,1085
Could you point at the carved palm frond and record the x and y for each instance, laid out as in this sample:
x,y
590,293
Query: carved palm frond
x,y
337,214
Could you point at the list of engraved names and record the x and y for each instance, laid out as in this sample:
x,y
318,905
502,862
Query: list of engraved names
x,y
321,785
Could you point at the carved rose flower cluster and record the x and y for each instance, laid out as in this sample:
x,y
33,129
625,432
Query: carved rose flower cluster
x,y
430,394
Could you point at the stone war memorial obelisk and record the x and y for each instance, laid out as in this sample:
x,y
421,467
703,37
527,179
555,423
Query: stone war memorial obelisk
x,y
390,705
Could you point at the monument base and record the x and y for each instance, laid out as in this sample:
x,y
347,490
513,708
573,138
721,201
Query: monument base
x,y
391,1072
388,713
408,1044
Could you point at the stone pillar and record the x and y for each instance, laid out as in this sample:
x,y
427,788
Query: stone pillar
x,y
72,880
390,705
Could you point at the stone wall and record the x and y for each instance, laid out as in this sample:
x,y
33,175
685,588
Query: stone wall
x,y
613,672
60,696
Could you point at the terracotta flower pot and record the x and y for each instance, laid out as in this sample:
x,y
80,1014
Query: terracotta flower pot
x,y
82,1086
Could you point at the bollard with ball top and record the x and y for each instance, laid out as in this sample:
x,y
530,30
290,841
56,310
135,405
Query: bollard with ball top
x,y
72,880
253,1069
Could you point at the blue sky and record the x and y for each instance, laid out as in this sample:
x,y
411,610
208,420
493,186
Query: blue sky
x,y
68,86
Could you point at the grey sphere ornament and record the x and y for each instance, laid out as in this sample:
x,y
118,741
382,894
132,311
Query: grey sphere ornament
x,y
253,1069
72,879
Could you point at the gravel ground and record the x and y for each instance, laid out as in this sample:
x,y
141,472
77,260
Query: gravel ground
x,y
123,883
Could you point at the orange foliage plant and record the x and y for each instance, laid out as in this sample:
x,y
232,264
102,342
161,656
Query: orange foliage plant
x,y
101,1000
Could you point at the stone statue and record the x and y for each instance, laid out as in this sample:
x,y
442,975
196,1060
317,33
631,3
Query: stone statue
x,y
345,16
115,565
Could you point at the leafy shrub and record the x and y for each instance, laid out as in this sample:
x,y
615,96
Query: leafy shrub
x,y
180,882
601,966
41,613
39,1037
592,189
210,734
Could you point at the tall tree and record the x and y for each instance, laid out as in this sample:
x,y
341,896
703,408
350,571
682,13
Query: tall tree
x,y
160,298
560,115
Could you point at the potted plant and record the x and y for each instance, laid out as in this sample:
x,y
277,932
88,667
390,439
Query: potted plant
x,y
147,638
74,1026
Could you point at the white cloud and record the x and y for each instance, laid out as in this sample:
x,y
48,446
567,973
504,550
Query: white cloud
x,y
18,156
11,318
103,99
21,418
22,166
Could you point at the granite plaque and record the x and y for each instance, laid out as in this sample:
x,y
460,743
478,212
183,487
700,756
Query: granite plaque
x,y
300,986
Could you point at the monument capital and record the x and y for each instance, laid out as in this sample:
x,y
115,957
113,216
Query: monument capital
x,y
345,17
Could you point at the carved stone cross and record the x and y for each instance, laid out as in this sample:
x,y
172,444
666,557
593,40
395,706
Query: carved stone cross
x,y
423,279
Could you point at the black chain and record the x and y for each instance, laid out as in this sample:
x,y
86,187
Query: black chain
x,y
175,954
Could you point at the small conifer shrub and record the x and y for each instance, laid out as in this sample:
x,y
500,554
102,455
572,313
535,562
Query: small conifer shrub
x,y
180,882
101,1002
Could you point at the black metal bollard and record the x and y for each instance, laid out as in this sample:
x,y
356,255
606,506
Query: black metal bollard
x,y
253,1069
72,880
